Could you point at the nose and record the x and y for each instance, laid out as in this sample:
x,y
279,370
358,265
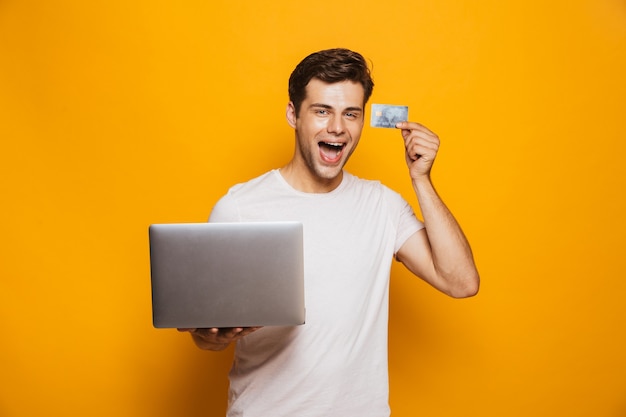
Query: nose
x,y
335,125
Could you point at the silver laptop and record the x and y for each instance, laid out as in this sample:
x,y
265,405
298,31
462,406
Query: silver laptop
x,y
227,274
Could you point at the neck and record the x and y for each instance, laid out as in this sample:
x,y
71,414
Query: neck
x,y
306,181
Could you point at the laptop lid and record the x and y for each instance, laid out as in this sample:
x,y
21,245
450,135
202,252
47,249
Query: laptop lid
x,y
227,274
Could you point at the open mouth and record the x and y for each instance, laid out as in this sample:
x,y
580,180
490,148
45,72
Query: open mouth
x,y
331,151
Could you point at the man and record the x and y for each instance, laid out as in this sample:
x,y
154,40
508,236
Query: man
x,y
336,364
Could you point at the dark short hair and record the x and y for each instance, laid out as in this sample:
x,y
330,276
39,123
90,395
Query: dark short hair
x,y
329,66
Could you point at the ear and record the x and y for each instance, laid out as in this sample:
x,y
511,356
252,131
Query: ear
x,y
291,115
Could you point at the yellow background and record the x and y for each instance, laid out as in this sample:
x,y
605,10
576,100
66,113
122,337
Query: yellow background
x,y
115,115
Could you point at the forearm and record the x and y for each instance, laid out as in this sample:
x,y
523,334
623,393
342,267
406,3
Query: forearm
x,y
452,257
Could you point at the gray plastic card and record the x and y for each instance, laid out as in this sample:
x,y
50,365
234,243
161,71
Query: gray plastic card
x,y
387,115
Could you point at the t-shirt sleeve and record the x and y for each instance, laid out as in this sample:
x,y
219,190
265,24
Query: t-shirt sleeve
x,y
225,210
405,221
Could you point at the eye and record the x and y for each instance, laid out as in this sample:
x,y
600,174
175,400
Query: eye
x,y
352,116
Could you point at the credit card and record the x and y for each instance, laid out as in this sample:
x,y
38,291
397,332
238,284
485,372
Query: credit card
x,y
387,115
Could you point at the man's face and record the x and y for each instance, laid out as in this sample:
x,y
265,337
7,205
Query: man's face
x,y
328,128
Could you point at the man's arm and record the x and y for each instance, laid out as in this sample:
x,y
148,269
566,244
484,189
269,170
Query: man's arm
x,y
440,254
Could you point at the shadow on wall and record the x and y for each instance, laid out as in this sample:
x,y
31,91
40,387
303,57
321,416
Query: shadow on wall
x,y
197,384
413,308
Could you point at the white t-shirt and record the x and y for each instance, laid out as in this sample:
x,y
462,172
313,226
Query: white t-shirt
x,y
336,363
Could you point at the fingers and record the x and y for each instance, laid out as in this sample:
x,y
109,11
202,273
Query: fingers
x,y
421,147
222,335
413,127
412,130
419,141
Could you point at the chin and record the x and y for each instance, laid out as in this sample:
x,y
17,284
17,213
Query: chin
x,y
328,173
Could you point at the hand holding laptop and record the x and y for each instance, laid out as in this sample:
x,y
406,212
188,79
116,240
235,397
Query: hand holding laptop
x,y
218,338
